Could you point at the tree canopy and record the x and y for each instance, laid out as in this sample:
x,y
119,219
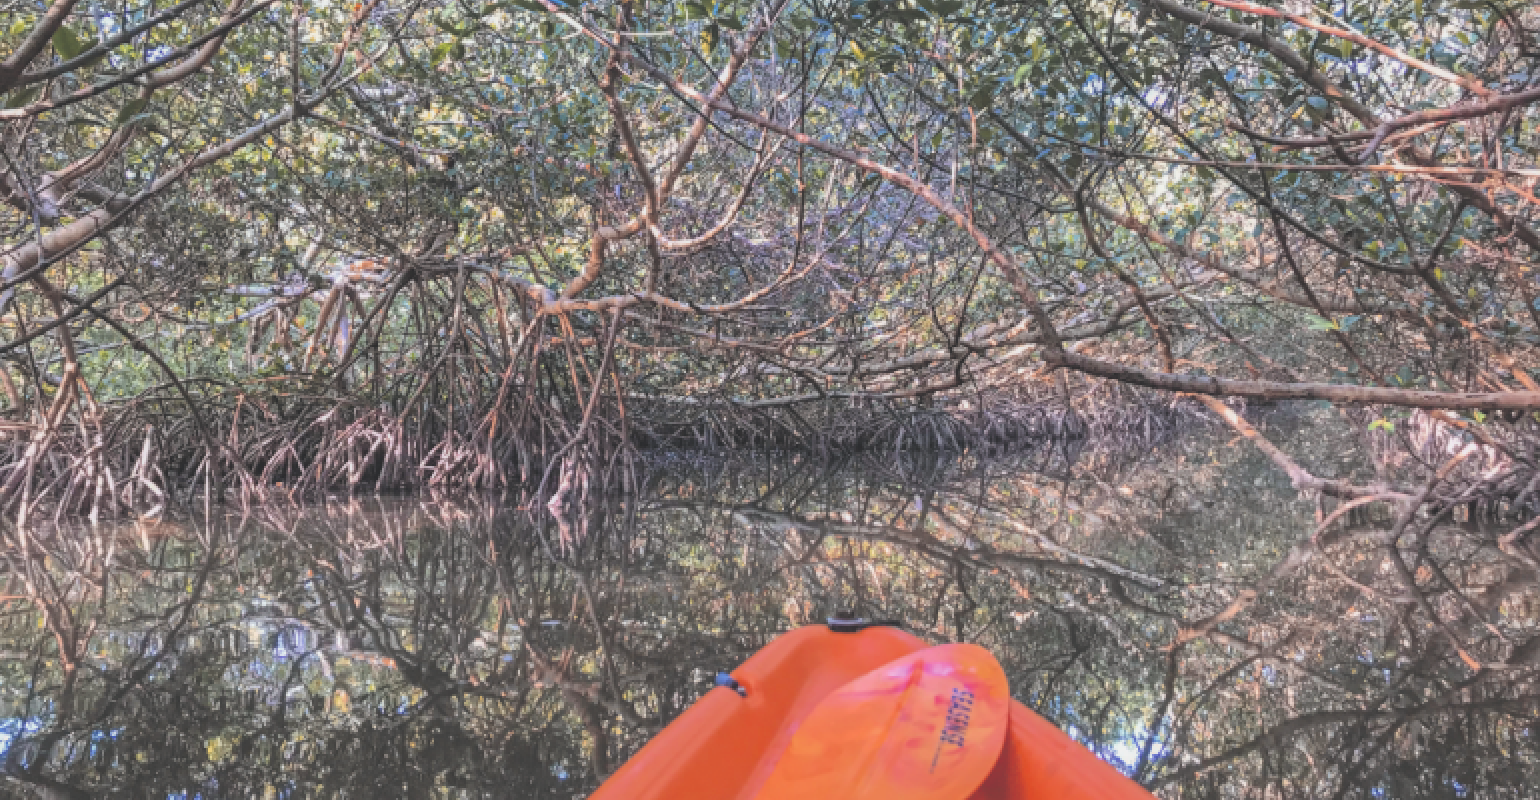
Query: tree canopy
x,y
404,243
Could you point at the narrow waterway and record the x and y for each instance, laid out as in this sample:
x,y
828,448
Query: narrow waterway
x,y
1176,605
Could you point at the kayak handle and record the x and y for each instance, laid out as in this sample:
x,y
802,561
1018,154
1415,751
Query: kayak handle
x,y
727,681
847,622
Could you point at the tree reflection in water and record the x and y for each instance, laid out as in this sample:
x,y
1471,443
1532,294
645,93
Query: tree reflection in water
x,y
1181,609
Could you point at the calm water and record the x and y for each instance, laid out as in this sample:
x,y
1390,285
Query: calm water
x,y
1165,603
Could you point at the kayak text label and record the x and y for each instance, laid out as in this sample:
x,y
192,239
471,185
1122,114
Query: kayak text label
x,y
958,714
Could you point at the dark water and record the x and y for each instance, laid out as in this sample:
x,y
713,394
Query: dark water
x,y
1165,602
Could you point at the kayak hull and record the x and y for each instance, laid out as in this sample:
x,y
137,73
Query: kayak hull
x,y
726,746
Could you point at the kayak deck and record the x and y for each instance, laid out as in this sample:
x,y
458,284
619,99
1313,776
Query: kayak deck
x,y
726,746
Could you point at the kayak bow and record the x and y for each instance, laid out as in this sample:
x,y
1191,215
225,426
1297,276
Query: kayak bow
x,y
928,725
853,713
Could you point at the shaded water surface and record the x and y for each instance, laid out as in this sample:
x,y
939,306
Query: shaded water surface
x,y
1179,608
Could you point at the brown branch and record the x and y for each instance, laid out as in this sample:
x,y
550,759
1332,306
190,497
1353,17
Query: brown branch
x,y
204,55
1290,58
1464,81
92,90
11,68
1272,390
101,48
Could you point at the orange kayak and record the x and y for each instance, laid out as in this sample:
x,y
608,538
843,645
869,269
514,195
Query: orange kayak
x,y
851,711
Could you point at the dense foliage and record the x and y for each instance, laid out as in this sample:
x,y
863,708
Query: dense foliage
x,y
401,243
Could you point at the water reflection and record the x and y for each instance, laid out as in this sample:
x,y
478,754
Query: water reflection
x,y
1180,609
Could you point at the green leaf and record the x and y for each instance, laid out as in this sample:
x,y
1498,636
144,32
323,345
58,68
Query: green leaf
x,y
447,27
1320,323
1382,425
68,43
130,110
23,97
1345,48
730,23
982,97
695,10
1317,108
